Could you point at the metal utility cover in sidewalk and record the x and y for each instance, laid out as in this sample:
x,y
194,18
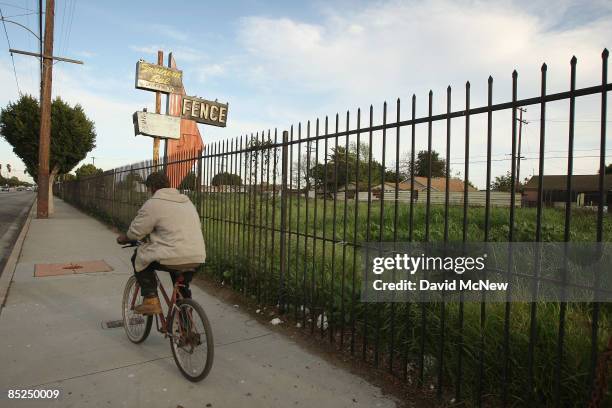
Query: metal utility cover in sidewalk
x,y
42,270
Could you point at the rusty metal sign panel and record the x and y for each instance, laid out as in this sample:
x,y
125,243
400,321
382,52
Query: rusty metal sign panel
x,y
152,77
156,125
204,111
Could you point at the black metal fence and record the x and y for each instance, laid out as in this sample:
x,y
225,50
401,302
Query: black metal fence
x,y
284,214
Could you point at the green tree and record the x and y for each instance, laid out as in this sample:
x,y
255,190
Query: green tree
x,y
421,164
189,182
67,177
504,183
72,135
226,179
391,176
130,181
13,182
350,165
87,170
608,169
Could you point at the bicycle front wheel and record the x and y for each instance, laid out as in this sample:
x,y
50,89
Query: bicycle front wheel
x,y
191,340
137,326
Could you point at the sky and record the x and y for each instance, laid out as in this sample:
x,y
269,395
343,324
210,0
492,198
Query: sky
x,y
278,63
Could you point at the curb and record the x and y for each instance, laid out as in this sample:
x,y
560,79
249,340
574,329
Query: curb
x,y
9,269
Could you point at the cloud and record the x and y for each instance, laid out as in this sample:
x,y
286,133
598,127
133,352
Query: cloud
x,y
187,54
169,31
394,49
209,71
281,70
85,54
408,46
146,49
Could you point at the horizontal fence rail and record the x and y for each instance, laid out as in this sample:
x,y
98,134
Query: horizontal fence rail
x,y
284,215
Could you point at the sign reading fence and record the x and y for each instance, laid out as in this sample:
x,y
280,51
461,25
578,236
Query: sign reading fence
x,y
204,111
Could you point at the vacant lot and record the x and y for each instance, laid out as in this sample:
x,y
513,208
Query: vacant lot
x,y
323,279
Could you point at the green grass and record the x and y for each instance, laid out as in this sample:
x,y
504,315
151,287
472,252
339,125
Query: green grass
x,y
243,256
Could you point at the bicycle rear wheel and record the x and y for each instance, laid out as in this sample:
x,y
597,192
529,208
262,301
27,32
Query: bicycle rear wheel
x,y
191,340
137,326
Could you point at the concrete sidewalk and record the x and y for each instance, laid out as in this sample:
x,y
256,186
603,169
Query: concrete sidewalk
x,y
51,337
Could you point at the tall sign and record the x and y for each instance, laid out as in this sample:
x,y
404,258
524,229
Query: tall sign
x,y
156,125
152,77
203,111
179,125
191,138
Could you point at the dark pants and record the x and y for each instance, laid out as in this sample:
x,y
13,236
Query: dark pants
x,y
148,284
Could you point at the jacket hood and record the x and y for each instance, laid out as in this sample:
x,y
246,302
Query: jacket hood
x,y
170,194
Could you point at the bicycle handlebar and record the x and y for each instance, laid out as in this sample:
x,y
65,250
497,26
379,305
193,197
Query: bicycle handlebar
x,y
133,243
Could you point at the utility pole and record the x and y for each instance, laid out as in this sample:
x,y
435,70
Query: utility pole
x,y
40,45
519,157
46,57
44,144
93,160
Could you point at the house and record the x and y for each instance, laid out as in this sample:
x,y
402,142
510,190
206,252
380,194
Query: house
x,y
585,190
455,185
438,184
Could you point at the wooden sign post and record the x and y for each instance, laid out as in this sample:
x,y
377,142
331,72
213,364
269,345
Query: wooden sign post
x,y
160,61
159,79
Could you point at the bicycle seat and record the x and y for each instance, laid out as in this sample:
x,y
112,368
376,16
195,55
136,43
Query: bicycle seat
x,y
181,268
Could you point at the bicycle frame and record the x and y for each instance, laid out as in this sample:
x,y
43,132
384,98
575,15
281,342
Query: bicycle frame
x,y
161,321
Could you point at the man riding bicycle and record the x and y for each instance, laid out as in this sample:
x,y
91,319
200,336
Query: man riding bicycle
x,y
175,242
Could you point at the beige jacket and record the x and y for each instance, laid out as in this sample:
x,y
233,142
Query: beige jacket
x,y
173,226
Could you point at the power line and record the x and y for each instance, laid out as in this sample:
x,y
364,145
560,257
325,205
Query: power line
x,y
30,44
70,24
526,158
546,152
567,120
61,31
17,7
22,15
12,58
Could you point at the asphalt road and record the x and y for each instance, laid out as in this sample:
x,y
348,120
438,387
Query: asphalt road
x,y
14,206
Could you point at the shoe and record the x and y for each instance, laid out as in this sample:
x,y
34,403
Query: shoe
x,y
149,306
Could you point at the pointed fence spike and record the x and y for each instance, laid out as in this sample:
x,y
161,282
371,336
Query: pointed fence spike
x,y
514,74
490,78
605,53
544,67
574,60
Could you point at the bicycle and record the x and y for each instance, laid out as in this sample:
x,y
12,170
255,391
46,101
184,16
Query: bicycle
x,y
180,324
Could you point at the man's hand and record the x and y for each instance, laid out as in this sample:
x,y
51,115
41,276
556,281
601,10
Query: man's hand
x,y
122,239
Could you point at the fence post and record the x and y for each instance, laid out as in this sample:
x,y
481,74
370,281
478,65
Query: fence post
x,y
113,198
283,226
199,182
